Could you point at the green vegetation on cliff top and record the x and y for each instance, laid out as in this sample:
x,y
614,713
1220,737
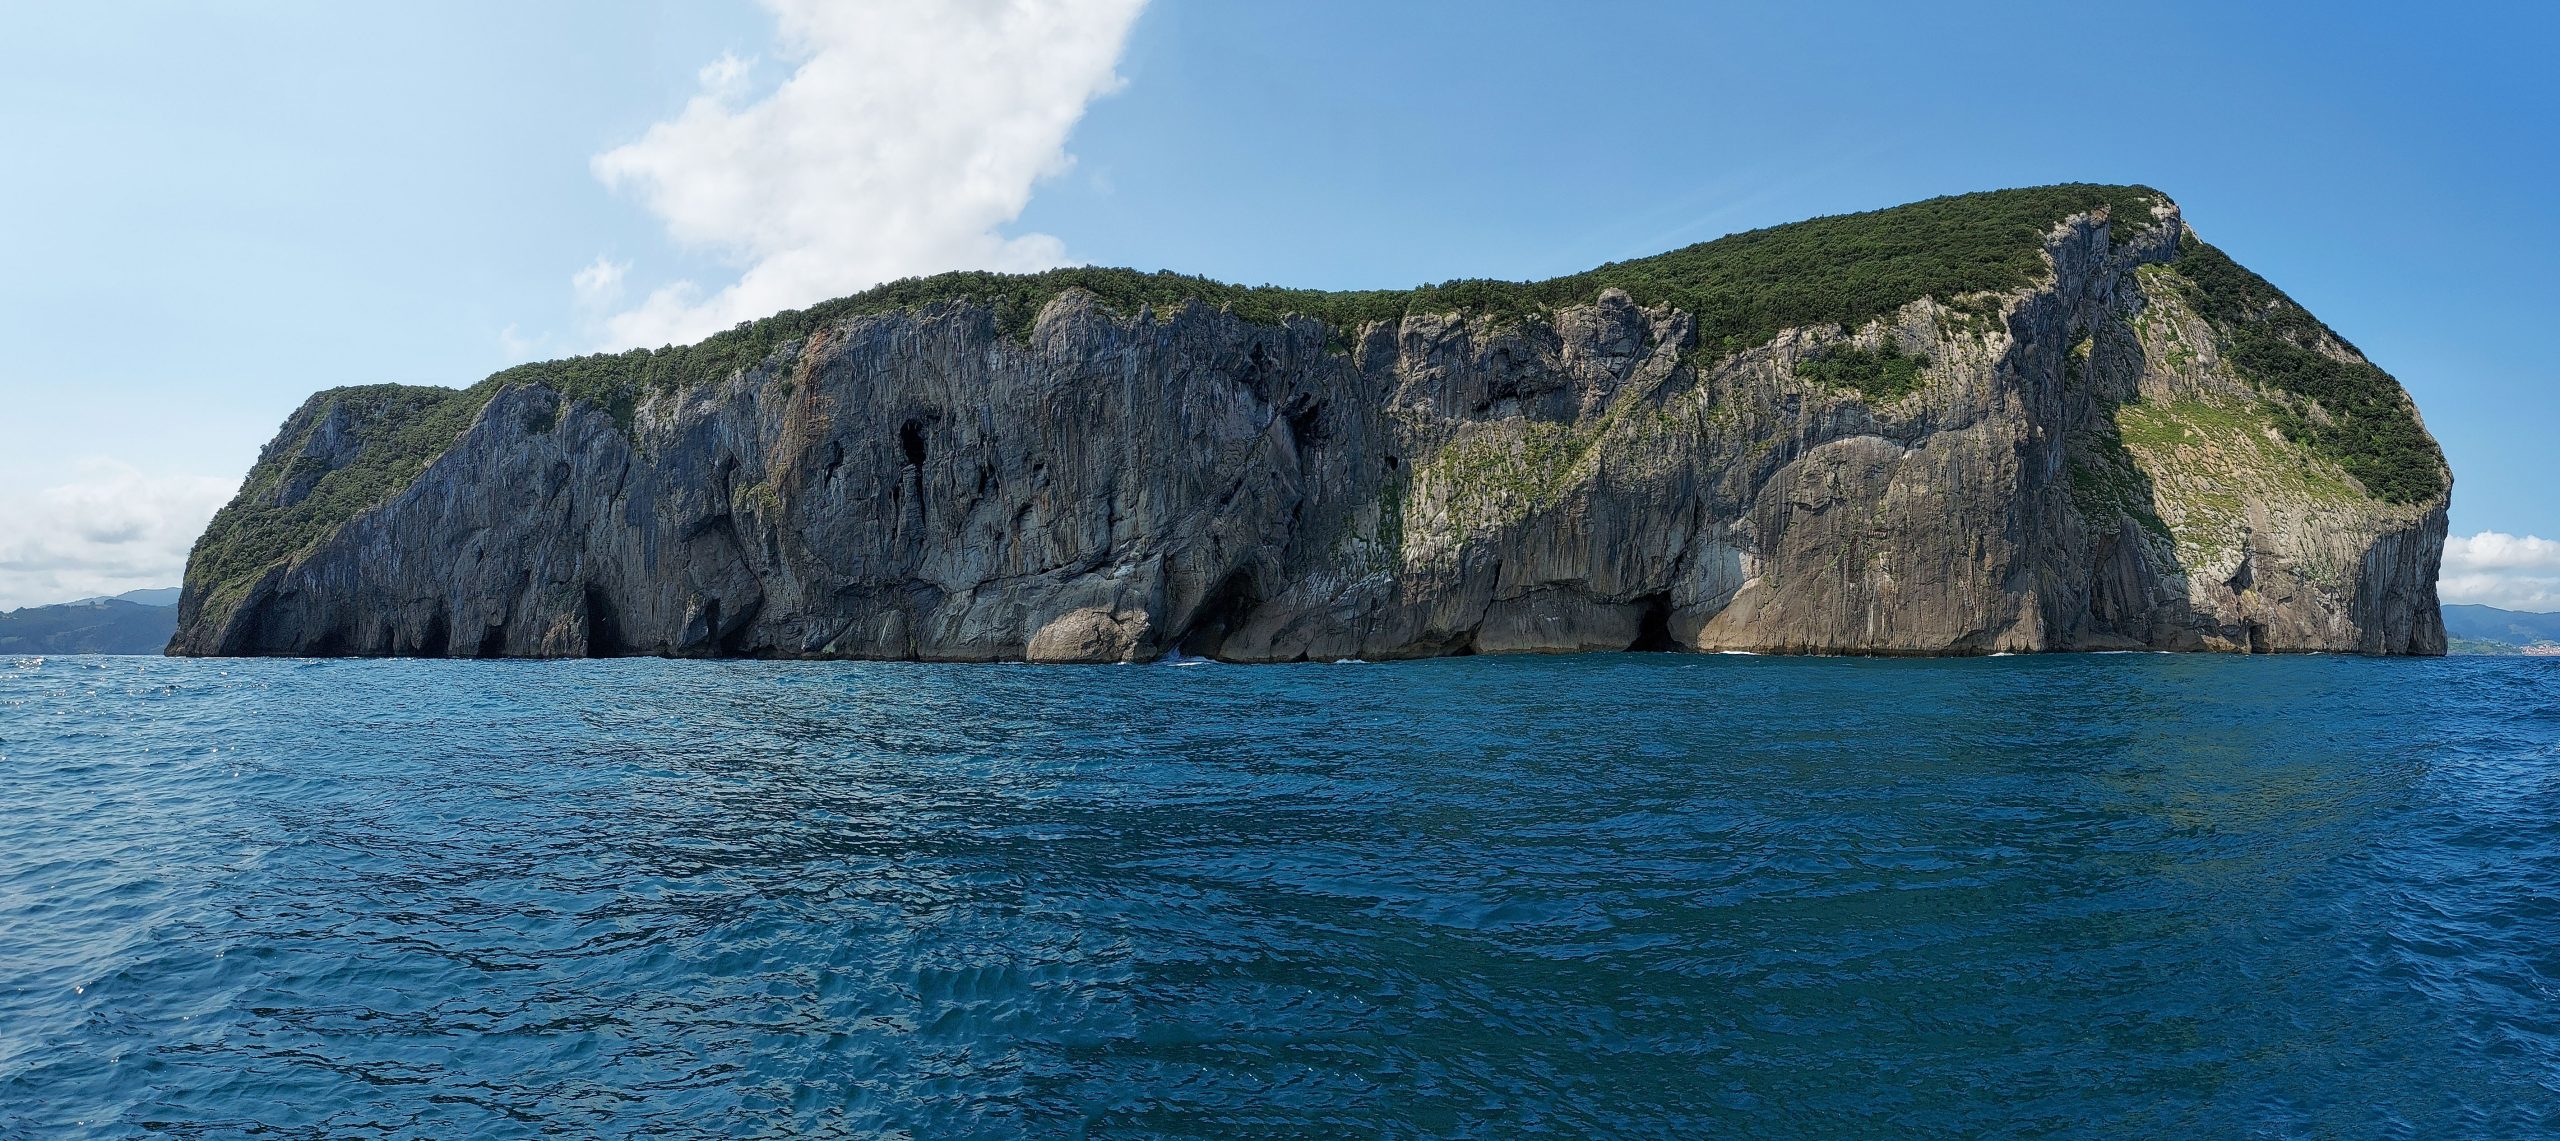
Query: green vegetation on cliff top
x,y
1741,289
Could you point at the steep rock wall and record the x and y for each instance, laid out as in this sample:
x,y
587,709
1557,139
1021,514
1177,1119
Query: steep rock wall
x,y
2075,467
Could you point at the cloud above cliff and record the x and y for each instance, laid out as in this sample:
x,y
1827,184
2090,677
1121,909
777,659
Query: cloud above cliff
x,y
107,530
907,136
2510,572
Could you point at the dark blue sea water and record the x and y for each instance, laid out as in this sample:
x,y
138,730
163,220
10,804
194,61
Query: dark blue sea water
x,y
1602,896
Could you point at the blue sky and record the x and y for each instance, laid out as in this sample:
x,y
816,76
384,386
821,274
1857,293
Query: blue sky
x,y
211,214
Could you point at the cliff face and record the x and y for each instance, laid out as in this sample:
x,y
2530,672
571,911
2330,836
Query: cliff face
x,y
2129,449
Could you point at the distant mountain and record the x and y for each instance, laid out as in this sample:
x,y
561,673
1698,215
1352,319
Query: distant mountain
x,y
137,622
2503,627
147,596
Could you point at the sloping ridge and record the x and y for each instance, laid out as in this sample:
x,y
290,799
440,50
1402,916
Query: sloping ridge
x,y
89,626
1445,468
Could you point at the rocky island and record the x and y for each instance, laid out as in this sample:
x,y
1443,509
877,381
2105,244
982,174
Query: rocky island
x,y
2025,420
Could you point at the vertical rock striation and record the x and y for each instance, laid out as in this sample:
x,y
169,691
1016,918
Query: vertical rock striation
x,y
2131,448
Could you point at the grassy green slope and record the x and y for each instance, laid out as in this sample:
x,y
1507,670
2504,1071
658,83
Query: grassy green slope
x,y
2364,421
399,429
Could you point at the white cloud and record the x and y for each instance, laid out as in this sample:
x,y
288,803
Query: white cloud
x,y
109,530
906,137
600,284
2493,568
515,346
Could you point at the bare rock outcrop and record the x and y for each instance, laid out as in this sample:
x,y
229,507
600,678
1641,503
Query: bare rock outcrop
x,y
2077,463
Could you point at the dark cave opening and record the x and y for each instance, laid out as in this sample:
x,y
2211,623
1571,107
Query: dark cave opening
x,y
1653,627
1221,615
1306,420
911,441
332,643
438,639
604,635
733,641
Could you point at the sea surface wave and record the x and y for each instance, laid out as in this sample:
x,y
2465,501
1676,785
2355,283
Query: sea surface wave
x,y
1604,896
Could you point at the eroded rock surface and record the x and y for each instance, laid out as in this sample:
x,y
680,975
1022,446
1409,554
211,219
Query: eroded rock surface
x,y
2077,467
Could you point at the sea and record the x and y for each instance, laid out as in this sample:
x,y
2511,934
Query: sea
x,y
1602,896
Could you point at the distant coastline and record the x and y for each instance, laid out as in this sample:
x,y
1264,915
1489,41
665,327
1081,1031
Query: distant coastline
x,y
2471,629
135,622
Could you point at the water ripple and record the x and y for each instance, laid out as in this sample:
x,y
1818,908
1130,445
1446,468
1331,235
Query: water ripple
x,y
1619,895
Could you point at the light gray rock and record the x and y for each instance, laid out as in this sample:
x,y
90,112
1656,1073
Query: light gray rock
x,y
1090,634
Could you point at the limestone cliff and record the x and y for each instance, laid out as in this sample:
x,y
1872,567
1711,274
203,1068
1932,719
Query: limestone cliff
x,y
2019,421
